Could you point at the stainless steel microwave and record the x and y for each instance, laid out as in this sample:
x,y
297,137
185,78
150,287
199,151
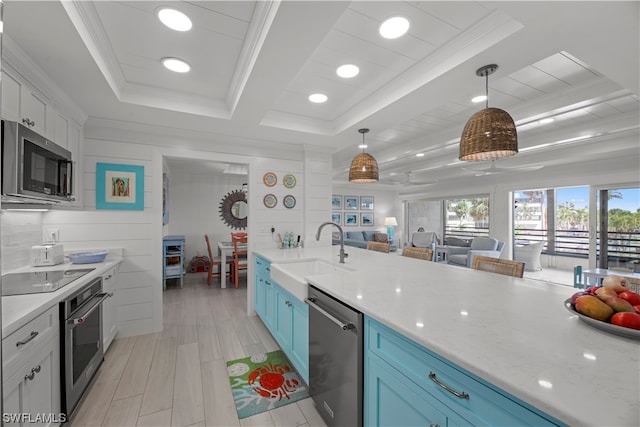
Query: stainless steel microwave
x,y
33,167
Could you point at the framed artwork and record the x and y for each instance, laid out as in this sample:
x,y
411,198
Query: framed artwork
x,y
351,203
366,219
336,217
119,186
366,203
336,202
351,219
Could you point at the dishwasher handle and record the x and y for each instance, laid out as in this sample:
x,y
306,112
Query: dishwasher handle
x,y
342,325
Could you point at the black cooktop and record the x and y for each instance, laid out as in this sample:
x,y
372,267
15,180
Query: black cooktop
x,y
39,281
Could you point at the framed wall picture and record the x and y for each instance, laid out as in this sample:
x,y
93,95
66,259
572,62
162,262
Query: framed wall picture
x,y
351,203
336,202
351,219
366,219
119,186
366,203
336,217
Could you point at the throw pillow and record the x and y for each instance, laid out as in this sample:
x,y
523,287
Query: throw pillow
x,y
381,237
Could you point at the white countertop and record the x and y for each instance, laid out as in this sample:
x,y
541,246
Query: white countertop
x,y
18,310
516,333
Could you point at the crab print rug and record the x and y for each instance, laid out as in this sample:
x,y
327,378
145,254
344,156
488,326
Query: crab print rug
x,y
263,382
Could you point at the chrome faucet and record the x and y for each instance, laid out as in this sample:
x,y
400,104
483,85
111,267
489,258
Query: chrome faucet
x,y
342,254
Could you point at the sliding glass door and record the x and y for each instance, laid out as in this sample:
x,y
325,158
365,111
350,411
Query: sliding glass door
x,y
618,244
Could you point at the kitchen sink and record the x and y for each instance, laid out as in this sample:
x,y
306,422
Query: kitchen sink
x,y
291,275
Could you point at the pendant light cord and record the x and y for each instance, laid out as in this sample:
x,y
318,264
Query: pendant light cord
x,y
486,89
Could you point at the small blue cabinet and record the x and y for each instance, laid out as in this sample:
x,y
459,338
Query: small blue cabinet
x,y
401,388
173,259
286,317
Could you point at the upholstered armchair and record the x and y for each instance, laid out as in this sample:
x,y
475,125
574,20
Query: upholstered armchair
x,y
423,239
486,246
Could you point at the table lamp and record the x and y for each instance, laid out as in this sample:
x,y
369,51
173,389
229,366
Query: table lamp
x,y
390,222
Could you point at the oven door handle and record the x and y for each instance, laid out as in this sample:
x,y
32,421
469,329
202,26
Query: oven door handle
x,y
81,319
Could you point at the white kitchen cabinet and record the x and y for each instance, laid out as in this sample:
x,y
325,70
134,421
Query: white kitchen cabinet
x,y
109,321
26,105
31,386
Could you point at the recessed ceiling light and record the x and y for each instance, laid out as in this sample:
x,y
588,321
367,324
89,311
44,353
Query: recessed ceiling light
x,y
480,98
394,27
420,155
175,64
347,71
546,121
174,19
362,146
318,98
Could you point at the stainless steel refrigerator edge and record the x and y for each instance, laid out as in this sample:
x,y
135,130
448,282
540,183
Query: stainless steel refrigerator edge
x,y
1,31
335,359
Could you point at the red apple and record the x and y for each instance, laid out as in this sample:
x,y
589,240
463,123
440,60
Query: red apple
x,y
627,320
630,296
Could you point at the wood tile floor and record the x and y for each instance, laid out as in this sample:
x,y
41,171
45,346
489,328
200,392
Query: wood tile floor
x,y
178,377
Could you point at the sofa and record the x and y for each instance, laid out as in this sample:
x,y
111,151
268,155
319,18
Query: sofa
x,y
463,255
359,239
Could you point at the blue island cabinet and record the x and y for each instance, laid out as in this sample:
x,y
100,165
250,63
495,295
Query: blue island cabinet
x,y
265,293
406,384
286,317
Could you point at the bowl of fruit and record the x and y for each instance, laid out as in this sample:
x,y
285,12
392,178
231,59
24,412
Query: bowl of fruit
x,y
612,307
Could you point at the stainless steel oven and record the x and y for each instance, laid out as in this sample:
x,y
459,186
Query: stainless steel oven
x,y
81,343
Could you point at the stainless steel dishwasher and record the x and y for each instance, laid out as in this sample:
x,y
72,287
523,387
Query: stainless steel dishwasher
x,y
335,359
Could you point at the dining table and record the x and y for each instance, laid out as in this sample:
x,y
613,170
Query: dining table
x,y
226,250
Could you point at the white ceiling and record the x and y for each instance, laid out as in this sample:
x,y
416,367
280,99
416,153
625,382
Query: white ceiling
x,y
255,63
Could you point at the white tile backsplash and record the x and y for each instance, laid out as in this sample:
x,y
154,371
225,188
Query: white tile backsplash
x,y
20,231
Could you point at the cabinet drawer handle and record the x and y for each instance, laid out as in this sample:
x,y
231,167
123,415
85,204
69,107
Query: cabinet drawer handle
x,y
434,425
108,277
36,369
267,282
28,121
26,340
459,395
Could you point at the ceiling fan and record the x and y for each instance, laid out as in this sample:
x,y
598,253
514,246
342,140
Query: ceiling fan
x,y
409,181
493,169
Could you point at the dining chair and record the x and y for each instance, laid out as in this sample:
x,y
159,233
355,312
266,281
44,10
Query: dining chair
x,y
499,266
239,255
216,262
378,246
419,253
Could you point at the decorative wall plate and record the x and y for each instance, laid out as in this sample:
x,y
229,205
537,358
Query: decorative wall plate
x,y
270,179
289,201
270,200
289,181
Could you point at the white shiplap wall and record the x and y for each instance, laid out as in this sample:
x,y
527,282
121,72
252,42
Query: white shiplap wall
x,y
20,230
138,233
262,218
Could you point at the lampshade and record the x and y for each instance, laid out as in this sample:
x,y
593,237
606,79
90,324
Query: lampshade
x,y
364,167
390,220
490,133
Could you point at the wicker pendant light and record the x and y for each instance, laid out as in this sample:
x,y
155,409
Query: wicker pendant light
x,y
490,133
364,167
